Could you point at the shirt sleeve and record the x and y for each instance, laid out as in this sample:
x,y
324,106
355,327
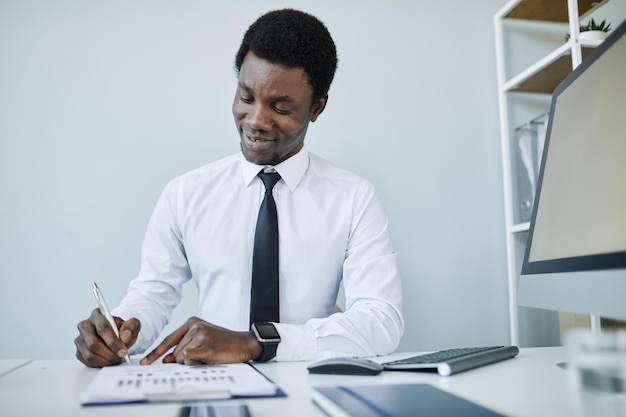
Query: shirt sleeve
x,y
157,290
372,323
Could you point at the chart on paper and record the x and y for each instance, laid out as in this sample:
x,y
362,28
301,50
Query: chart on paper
x,y
174,382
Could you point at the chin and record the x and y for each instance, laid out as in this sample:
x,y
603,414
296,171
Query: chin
x,y
259,159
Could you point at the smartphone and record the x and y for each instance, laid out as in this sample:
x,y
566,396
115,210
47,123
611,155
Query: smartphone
x,y
215,410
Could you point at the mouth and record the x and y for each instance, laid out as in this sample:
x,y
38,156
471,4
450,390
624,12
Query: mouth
x,y
253,138
256,140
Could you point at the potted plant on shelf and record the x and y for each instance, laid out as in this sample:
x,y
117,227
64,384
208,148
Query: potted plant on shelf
x,y
593,30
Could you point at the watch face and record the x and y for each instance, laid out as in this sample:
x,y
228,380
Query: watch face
x,y
267,331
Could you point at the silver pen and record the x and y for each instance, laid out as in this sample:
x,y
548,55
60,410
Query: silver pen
x,y
104,309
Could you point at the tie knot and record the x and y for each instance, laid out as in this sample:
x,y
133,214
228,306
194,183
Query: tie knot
x,y
269,180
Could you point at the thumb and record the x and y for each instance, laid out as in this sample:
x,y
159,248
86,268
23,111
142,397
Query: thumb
x,y
129,330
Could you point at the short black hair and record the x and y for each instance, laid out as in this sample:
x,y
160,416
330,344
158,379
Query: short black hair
x,y
294,39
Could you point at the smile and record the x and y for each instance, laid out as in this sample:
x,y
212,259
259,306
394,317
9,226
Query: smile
x,y
252,138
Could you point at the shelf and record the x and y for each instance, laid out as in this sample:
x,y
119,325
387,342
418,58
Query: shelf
x,y
539,22
520,227
545,75
549,10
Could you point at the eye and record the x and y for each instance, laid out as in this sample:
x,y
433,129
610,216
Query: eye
x,y
281,110
246,99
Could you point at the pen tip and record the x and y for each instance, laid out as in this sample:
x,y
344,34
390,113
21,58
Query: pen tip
x,y
94,285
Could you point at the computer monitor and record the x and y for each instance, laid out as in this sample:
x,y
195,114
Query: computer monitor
x,y
575,259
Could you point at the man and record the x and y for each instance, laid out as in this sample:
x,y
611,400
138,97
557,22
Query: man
x,y
332,227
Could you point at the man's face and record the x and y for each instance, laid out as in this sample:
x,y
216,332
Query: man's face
x,y
272,109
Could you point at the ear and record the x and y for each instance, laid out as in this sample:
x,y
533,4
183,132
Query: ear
x,y
318,108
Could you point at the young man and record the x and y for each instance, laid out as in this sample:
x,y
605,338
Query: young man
x,y
331,228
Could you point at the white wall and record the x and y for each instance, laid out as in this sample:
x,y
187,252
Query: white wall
x,y
102,102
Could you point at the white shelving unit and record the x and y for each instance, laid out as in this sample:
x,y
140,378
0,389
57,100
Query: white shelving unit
x,y
532,84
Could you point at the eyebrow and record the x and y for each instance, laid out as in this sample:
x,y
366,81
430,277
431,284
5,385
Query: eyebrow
x,y
286,98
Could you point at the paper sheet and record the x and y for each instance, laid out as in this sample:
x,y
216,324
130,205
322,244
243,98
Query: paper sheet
x,y
174,382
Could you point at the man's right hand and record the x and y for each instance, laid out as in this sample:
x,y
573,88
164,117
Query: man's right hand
x,y
97,345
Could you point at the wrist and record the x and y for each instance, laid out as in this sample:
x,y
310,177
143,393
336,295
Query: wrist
x,y
268,338
253,346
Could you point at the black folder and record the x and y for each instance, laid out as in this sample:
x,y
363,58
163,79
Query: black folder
x,y
406,400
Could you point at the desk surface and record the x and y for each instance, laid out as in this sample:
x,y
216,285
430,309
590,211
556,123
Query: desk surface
x,y
529,385
9,365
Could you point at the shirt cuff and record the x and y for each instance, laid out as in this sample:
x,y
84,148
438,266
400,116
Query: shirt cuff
x,y
297,343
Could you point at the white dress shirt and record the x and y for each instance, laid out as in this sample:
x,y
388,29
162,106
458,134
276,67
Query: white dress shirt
x,y
332,227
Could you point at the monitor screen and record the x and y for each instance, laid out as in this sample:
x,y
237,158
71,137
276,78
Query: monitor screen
x,y
575,256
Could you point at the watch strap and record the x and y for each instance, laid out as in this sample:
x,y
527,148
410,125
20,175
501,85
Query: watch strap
x,y
269,351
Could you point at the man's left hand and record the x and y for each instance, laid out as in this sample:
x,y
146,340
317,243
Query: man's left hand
x,y
197,342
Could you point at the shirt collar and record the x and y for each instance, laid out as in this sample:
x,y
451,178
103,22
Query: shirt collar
x,y
291,170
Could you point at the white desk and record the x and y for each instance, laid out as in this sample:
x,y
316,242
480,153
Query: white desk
x,y
9,365
529,385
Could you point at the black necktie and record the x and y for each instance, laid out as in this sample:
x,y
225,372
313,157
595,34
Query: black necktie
x,y
264,294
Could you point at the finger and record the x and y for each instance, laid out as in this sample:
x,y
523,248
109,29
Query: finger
x,y
92,347
194,356
169,358
80,357
89,360
171,340
198,336
187,341
105,331
93,359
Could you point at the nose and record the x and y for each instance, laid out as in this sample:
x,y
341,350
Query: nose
x,y
259,118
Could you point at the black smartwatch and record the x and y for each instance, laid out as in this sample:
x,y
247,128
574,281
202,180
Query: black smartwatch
x,y
269,339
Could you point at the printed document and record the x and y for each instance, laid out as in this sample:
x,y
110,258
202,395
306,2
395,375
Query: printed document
x,y
175,382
